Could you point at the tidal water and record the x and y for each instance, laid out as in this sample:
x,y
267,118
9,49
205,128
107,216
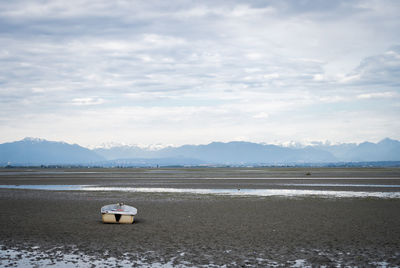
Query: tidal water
x,y
228,192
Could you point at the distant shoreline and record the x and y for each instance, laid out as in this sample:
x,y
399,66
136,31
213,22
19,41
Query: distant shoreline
x,y
215,172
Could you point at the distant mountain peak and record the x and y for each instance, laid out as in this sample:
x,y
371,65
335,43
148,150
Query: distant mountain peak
x,y
388,141
36,151
115,145
109,145
31,139
40,140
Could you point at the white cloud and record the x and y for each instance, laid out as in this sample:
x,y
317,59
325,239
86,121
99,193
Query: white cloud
x,y
87,101
318,77
374,95
261,115
349,78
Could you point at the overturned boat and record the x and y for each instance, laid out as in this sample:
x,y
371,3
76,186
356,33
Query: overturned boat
x,y
118,213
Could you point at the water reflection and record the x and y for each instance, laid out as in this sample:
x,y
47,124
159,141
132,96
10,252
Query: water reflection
x,y
340,185
231,192
46,187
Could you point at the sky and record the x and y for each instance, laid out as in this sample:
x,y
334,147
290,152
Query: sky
x,y
192,72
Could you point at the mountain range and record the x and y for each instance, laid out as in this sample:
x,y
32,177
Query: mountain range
x,y
34,152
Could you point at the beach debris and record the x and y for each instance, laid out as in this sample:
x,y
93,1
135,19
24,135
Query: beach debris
x,y
118,213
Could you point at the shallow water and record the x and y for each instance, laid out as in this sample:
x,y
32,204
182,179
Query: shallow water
x,y
252,192
35,257
46,187
24,258
340,185
230,192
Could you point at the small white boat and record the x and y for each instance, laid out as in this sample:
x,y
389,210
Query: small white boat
x,y
118,213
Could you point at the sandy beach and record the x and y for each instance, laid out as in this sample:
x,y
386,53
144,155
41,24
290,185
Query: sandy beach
x,y
202,229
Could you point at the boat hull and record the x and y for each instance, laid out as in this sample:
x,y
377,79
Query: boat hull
x,y
118,213
117,218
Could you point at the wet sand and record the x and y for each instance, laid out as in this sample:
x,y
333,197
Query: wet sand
x,y
197,230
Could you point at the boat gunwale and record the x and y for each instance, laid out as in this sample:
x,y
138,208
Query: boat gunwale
x,y
126,210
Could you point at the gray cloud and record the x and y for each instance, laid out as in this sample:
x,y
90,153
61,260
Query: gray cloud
x,y
381,70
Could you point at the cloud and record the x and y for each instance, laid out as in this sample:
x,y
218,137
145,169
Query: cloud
x,y
195,66
261,115
87,101
378,95
383,69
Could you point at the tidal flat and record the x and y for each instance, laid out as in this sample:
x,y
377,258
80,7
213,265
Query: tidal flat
x,y
172,228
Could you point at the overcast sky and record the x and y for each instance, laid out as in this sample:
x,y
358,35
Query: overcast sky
x,y
193,72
